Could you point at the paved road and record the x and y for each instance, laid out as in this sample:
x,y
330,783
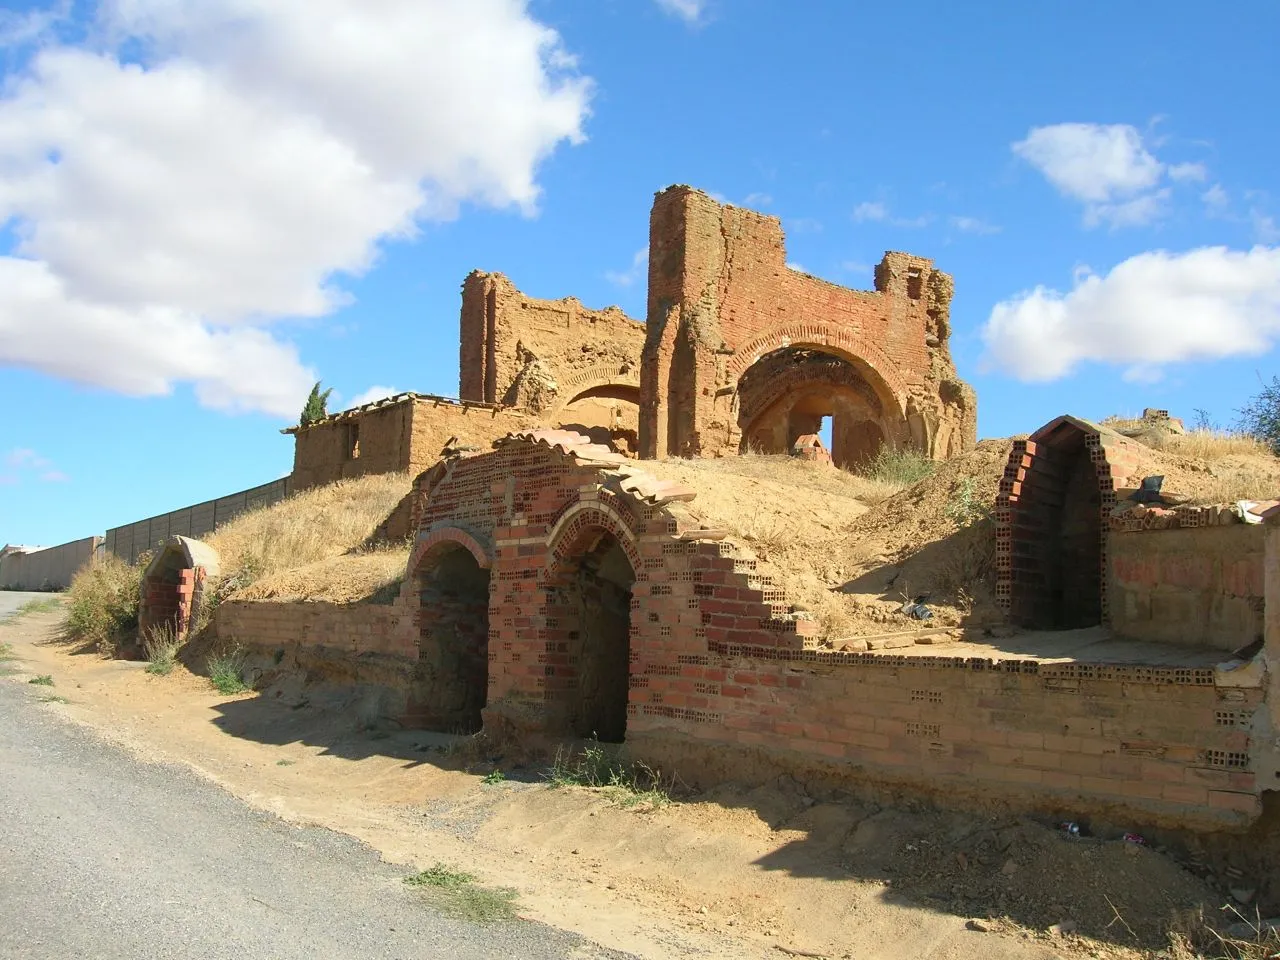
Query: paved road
x,y
11,600
102,856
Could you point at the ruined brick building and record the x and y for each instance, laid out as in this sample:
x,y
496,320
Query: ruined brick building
x,y
739,352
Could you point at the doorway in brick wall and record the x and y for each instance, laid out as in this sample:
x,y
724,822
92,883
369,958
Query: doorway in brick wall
x,y
592,603
452,679
1057,534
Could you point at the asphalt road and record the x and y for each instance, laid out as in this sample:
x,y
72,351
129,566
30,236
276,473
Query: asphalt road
x,y
11,600
103,856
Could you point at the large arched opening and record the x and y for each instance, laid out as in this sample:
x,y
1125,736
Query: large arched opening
x,y
590,606
453,639
1055,532
796,391
607,413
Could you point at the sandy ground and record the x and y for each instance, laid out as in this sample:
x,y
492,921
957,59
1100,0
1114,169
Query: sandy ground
x,y
736,874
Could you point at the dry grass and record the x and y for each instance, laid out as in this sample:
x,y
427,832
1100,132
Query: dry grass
x,y
102,604
317,525
792,472
1209,445
368,575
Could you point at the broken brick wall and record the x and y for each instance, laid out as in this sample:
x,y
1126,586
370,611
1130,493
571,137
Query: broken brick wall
x,y
555,359
404,436
721,298
1199,586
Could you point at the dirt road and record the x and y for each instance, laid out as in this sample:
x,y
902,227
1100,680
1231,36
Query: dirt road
x,y
743,873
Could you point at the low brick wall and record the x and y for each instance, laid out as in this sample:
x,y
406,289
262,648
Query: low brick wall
x,y
1195,586
352,629
1165,745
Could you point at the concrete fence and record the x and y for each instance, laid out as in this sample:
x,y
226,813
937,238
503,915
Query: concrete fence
x,y
49,568
127,541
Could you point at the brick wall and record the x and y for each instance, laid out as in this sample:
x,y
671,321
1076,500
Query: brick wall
x,y
717,664
405,434
509,339
1164,745
353,630
1200,586
721,297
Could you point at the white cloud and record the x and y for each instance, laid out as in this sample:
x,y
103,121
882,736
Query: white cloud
x,y
974,225
1151,310
1129,213
22,461
1108,168
372,394
798,268
758,200
639,267
168,212
31,26
1264,226
1090,161
868,210
690,11
878,212
1180,172
855,266
1216,198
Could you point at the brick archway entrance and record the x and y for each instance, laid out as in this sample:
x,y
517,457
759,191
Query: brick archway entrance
x,y
451,684
589,601
1051,528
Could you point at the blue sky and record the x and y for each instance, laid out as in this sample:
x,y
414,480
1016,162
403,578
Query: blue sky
x,y
203,207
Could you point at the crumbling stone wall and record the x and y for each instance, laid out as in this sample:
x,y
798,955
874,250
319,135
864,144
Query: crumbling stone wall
x,y
401,434
721,299
548,356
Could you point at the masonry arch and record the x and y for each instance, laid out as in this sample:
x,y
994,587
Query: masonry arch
x,y
589,583
1051,528
794,390
606,412
451,575
871,361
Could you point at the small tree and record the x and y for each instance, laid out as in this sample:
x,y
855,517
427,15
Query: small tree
x,y
1260,417
315,408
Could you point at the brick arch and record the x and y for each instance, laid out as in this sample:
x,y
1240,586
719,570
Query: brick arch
x,y
1031,495
428,543
846,375
595,376
880,371
581,518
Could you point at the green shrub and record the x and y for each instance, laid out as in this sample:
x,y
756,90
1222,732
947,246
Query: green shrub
x,y
161,647
224,672
457,893
627,784
900,467
102,605
44,680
